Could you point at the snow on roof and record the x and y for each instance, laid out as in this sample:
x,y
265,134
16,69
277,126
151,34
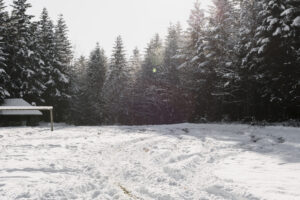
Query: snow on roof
x,y
18,102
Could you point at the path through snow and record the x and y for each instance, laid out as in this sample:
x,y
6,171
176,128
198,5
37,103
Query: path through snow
x,y
184,162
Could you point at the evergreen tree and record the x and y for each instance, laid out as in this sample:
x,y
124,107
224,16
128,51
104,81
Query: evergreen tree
x,y
4,78
96,70
245,87
146,102
47,51
135,64
175,106
35,94
21,63
275,59
116,84
153,60
59,83
218,71
192,69
173,45
63,45
78,113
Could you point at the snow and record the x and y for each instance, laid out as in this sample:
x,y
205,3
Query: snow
x,y
194,59
265,40
183,161
288,11
296,21
277,32
261,49
203,64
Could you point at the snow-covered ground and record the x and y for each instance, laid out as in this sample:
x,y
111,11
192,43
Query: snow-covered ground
x,y
184,161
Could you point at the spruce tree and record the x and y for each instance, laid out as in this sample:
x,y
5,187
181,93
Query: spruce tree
x,y
63,45
78,113
192,68
47,51
59,83
275,59
219,72
175,103
4,78
246,87
22,56
147,101
95,78
135,64
116,83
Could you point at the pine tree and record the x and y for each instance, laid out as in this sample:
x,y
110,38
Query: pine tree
x,y
47,51
35,94
218,71
192,69
59,83
275,59
21,63
78,113
116,83
96,71
135,64
245,87
4,78
147,102
173,46
175,103
153,60
194,38
63,45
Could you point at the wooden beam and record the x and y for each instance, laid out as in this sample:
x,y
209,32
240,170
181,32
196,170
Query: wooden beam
x,y
26,107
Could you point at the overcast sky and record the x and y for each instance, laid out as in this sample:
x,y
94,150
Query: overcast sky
x,y
91,21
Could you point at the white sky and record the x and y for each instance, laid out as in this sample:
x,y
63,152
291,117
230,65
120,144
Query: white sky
x,y
91,21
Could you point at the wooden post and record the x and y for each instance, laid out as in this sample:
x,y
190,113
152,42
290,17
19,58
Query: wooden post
x,y
51,118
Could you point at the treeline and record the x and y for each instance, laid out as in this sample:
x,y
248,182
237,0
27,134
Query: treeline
x,y
35,58
241,62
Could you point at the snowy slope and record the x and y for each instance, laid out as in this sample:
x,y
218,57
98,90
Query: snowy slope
x,y
183,161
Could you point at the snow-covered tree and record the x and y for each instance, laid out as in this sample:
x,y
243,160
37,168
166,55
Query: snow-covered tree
x,y
116,83
135,64
77,112
193,55
218,68
146,101
95,78
22,56
173,45
4,78
58,64
194,38
152,65
63,45
245,93
275,58
47,47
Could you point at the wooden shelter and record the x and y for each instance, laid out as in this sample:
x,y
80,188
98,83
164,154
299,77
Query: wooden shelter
x,y
20,112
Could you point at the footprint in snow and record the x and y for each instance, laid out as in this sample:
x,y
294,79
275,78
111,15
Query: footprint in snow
x,y
186,130
254,138
280,140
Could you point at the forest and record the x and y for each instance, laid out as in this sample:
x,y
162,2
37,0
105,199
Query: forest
x,y
238,62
